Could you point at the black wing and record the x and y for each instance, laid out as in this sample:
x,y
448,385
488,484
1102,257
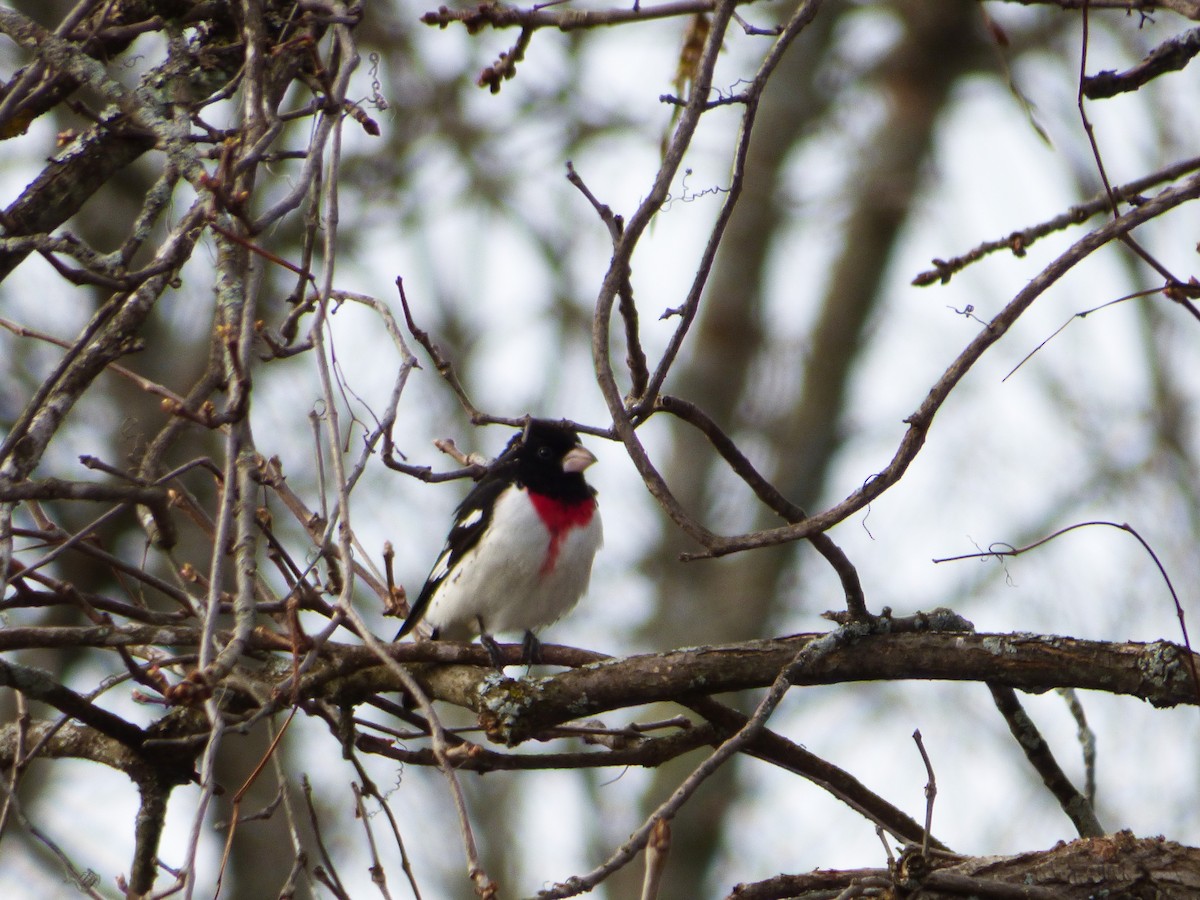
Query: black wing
x,y
471,519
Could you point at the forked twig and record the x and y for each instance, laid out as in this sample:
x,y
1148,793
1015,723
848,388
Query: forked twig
x,y
1077,807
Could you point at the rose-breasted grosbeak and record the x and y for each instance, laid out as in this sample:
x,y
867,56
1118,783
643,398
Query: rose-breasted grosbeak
x,y
519,555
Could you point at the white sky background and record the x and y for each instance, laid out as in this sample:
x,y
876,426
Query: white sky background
x,y
983,476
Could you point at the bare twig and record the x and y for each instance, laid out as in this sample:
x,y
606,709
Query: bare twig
x,y
39,685
1079,315
240,795
1019,241
1087,741
543,16
1179,291
778,751
623,418
85,882
1169,56
476,872
930,791
378,876
328,873
657,850
444,366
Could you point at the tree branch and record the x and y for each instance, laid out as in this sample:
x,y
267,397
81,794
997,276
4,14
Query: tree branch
x,y
1077,807
1169,56
921,420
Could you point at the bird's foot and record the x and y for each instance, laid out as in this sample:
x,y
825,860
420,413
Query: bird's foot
x,y
493,650
531,649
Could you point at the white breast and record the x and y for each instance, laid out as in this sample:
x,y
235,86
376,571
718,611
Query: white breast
x,y
500,579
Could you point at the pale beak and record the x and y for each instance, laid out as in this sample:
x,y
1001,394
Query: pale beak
x,y
577,459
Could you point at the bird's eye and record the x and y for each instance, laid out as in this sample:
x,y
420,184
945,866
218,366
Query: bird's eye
x,y
544,453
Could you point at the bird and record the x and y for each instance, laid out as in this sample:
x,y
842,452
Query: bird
x,y
519,554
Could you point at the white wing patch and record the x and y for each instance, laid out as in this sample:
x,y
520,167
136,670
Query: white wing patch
x,y
441,567
469,519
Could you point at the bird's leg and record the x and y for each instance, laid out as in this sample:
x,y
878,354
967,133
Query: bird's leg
x,y
531,649
493,650
489,644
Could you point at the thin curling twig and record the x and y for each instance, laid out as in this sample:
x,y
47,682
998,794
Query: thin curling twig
x,y
1008,550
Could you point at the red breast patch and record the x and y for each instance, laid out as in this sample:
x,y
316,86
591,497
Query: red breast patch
x,y
559,518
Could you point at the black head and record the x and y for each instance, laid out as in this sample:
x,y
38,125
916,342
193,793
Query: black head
x,y
549,459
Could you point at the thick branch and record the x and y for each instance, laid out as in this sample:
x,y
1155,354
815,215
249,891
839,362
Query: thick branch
x,y
1187,8
497,15
155,498
1120,863
1156,672
516,710
38,685
65,185
70,741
